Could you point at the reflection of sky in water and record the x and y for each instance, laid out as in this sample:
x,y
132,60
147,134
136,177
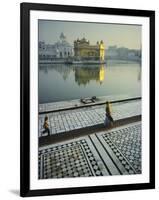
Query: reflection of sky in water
x,y
62,82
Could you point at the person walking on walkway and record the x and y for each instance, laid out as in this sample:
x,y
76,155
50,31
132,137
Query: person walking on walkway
x,y
46,126
108,118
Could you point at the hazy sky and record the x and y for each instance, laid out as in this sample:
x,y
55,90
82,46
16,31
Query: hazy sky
x,y
112,34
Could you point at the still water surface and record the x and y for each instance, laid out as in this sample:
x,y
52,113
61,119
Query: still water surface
x,y
58,82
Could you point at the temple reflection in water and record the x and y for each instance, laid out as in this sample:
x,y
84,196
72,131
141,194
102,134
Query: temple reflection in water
x,y
60,82
83,75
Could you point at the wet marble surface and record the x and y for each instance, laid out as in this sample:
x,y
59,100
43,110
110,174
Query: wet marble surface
x,y
113,152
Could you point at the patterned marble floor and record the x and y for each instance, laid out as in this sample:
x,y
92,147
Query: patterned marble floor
x,y
113,152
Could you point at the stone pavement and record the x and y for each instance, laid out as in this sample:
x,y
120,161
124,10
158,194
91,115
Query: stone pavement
x,y
112,152
46,107
65,121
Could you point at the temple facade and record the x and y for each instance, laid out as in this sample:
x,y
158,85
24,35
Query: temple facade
x,y
84,50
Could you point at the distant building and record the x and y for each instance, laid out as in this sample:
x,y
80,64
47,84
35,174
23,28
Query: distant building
x,y
61,49
47,51
83,50
123,53
112,52
64,48
134,54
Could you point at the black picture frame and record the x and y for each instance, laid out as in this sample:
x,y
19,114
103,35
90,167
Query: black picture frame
x,y
25,9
